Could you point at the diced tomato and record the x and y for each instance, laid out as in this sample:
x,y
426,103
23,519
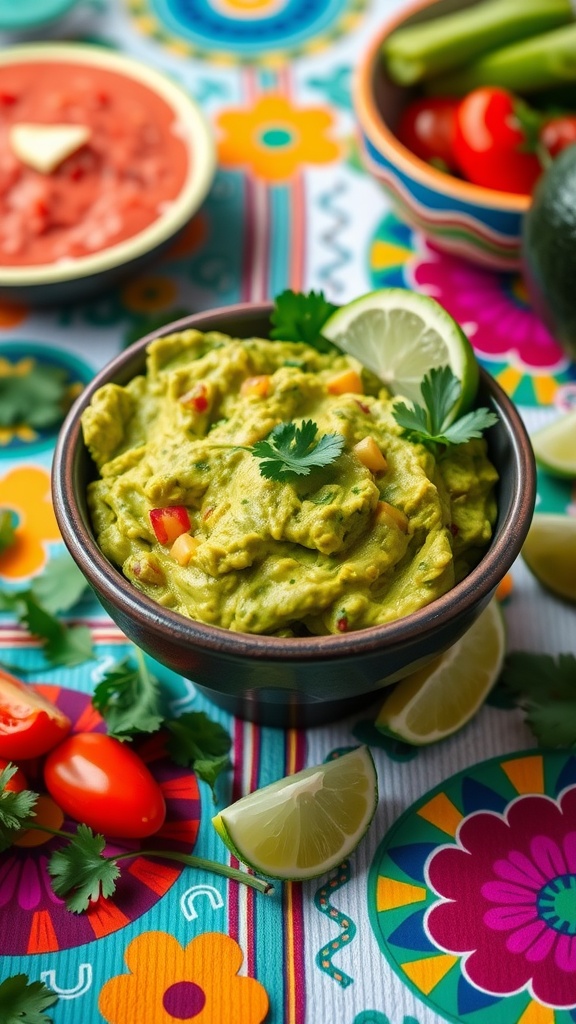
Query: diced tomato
x,y
168,523
197,398
30,725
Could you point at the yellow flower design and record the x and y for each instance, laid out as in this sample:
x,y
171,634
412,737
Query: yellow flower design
x,y
170,983
26,491
274,138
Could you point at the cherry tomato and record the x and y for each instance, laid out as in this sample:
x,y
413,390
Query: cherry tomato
x,y
427,127
30,725
490,143
99,781
558,132
18,782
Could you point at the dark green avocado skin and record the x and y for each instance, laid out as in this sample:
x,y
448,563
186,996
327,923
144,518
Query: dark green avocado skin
x,y
549,249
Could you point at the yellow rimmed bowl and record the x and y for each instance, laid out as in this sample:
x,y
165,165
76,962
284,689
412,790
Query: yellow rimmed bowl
x,y
77,278
481,224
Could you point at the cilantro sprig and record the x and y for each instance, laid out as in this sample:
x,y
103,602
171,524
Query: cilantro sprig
x,y
544,687
35,394
430,423
23,1001
300,317
291,450
55,590
80,870
130,701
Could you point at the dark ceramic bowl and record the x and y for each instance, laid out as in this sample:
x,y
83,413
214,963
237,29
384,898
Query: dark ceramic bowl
x,y
289,682
78,278
482,224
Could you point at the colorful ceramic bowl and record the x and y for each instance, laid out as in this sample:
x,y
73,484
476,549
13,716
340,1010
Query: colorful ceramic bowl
x,y
288,681
481,224
105,162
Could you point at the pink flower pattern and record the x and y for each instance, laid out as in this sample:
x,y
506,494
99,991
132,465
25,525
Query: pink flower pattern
x,y
508,899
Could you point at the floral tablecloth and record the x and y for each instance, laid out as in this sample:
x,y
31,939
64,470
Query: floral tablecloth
x,y
400,933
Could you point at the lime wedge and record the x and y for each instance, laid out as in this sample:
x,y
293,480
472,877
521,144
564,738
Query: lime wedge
x,y
550,552
440,698
304,824
555,446
401,335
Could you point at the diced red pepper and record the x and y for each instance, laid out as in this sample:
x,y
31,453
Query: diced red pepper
x,y
196,398
168,523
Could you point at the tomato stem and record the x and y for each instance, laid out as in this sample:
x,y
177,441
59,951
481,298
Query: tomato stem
x,y
203,865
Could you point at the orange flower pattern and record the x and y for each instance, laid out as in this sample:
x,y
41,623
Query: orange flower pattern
x,y
274,138
170,983
26,492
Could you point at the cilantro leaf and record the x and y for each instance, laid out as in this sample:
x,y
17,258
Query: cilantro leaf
x,y
23,1001
60,586
15,808
197,742
430,423
63,644
7,529
300,317
80,873
128,698
545,688
290,451
36,397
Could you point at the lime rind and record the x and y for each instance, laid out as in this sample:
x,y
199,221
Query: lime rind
x,y
555,446
439,685
267,830
549,551
400,336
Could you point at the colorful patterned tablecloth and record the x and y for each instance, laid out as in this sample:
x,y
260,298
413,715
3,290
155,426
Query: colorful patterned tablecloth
x,y
437,915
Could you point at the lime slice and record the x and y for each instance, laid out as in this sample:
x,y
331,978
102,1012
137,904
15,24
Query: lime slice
x,y
550,552
440,698
304,824
555,446
401,335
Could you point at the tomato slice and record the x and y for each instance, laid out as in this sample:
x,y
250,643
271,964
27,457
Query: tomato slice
x,y
30,725
99,781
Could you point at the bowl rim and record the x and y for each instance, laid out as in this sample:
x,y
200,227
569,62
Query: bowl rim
x,y
477,586
194,130
372,123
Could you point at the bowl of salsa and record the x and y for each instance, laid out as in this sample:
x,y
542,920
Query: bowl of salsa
x,y
103,162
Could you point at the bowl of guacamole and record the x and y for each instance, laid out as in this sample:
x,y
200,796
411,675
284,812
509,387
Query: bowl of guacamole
x,y
250,513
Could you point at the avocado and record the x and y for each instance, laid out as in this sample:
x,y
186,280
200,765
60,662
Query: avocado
x,y
549,248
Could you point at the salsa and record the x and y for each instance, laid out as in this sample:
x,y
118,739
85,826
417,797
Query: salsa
x,y
113,186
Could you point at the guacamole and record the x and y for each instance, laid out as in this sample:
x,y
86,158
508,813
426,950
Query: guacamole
x,y
381,531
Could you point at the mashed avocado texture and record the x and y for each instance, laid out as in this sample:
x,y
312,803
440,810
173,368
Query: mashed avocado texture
x,y
361,541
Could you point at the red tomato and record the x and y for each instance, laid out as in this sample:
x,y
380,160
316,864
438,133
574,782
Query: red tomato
x,y
489,142
427,127
168,523
99,781
29,724
18,782
558,132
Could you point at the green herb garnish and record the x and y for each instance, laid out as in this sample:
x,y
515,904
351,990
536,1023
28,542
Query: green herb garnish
x,y
293,451
430,423
545,688
80,871
300,317
36,397
130,701
23,1001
